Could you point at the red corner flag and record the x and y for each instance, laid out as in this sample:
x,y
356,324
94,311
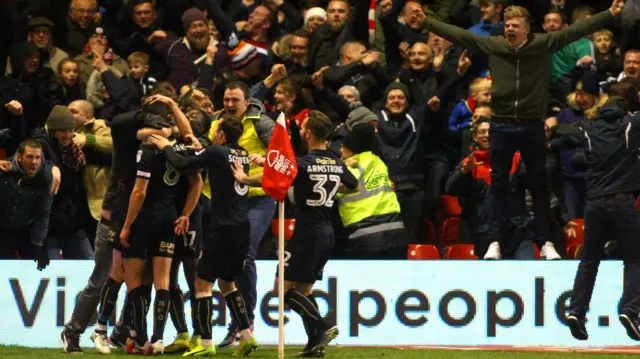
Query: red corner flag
x,y
280,168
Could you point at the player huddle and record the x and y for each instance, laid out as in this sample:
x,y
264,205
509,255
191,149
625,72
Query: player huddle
x,y
153,215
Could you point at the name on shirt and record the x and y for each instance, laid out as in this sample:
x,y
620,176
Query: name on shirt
x,y
243,160
325,165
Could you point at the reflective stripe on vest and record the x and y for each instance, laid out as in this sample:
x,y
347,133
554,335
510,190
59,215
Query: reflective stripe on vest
x,y
251,142
375,197
364,192
376,229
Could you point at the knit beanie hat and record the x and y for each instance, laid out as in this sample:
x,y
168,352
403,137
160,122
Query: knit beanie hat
x,y
589,83
360,139
242,55
359,116
191,15
60,118
397,86
315,11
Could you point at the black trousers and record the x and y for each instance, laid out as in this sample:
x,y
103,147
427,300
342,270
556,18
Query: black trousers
x,y
606,217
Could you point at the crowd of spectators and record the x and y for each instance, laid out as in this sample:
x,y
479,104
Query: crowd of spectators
x,y
357,61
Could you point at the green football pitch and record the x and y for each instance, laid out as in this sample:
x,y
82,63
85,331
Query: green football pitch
x,y
9,352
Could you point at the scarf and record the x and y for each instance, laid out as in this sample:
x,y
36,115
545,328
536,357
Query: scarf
x,y
371,17
483,172
108,55
300,117
73,157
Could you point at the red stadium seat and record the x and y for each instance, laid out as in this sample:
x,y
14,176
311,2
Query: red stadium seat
x,y
423,252
447,207
289,226
449,231
637,203
450,206
429,232
459,251
579,233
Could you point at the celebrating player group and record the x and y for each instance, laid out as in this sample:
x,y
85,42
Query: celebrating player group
x,y
153,222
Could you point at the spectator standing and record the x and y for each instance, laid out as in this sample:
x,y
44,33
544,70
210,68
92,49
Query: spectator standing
x,y
342,26
93,137
521,70
181,57
78,26
67,234
491,22
98,45
371,215
25,185
40,33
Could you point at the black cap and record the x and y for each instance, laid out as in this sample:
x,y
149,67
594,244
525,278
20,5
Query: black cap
x,y
360,139
589,83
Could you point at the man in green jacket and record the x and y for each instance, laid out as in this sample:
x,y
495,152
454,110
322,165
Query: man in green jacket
x,y
520,69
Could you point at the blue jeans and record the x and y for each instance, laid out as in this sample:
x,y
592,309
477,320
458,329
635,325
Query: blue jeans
x,y
529,139
575,196
73,246
261,210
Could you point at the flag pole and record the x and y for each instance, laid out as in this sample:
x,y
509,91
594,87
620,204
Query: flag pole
x,y
281,280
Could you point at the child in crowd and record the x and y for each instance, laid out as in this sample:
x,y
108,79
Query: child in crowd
x,y
608,62
72,88
138,74
460,118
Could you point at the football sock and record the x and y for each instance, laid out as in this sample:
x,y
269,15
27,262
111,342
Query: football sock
x,y
236,305
160,311
176,310
194,315
139,314
305,308
203,307
108,297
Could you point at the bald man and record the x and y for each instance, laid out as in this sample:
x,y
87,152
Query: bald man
x,y
94,137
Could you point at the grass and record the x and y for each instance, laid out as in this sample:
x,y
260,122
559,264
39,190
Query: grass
x,y
336,352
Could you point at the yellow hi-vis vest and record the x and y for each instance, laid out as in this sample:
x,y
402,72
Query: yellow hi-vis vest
x,y
251,142
376,196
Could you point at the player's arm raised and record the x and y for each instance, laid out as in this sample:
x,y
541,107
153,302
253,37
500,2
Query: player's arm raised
x,y
177,161
181,120
241,177
195,189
